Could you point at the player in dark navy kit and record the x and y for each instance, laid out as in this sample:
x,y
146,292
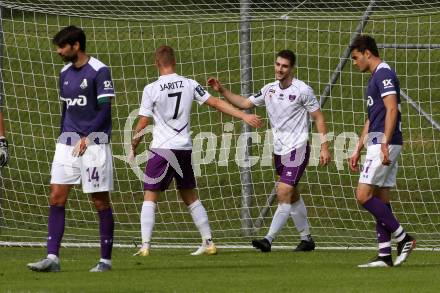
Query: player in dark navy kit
x,y
382,135
83,153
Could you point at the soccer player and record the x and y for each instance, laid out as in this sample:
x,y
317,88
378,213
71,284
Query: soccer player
x,y
4,155
168,101
83,153
383,136
289,102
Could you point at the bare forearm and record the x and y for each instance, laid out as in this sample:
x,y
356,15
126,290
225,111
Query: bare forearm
x,y
142,123
234,99
2,126
364,134
322,130
390,125
227,108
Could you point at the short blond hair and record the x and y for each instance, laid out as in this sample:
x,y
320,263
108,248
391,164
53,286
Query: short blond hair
x,y
165,56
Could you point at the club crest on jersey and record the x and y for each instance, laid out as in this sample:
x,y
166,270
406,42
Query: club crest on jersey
x,y
292,98
271,92
83,84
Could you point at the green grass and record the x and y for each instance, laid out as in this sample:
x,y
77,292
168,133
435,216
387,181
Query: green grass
x,y
229,271
32,113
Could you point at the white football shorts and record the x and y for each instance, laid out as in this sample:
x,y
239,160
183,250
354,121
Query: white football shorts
x,y
374,173
94,168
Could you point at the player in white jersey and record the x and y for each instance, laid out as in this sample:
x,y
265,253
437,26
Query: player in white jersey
x,y
168,101
383,136
289,103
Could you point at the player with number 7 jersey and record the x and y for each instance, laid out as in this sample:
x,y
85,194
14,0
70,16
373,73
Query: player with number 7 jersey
x,y
168,101
382,136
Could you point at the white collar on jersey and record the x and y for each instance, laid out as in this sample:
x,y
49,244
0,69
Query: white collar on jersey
x,y
167,75
382,65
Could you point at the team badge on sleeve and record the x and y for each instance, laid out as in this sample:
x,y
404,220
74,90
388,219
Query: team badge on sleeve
x,y
200,90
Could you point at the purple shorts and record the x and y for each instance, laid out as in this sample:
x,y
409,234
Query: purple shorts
x,y
163,165
291,166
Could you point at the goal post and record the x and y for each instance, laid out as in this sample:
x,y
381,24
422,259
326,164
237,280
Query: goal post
x,y
237,42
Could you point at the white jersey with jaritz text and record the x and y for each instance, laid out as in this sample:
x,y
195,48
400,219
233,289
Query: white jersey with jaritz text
x,y
168,100
288,110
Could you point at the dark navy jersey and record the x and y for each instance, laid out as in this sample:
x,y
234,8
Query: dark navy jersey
x,y
383,82
81,90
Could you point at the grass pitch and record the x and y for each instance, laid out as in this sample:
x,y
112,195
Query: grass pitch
x,y
229,271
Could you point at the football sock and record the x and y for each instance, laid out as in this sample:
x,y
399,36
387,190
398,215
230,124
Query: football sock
x,y
298,212
106,228
399,234
55,229
53,257
382,213
147,220
106,261
279,220
384,237
200,218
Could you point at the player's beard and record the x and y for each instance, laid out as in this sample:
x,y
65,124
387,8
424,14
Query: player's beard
x,y
73,58
282,77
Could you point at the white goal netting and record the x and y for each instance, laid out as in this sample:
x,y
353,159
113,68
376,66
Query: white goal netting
x,y
206,38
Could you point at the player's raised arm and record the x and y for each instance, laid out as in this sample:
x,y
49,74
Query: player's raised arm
x,y
324,155
236,100
251,119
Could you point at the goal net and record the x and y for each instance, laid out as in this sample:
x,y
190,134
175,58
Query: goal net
x,y
209,38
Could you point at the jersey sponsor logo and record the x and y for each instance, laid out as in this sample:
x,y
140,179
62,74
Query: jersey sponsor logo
x,y
171,85
80,101
370,101
200,90
83,84
387,83
108,85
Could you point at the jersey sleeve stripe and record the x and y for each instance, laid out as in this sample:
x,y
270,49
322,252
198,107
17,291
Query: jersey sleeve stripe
x,y
388,93
105,95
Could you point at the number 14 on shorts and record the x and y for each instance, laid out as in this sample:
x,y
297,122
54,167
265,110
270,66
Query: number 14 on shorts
x,y
365,168
92,174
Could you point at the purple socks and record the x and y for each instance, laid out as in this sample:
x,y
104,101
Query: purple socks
x,y
106,227
55,229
